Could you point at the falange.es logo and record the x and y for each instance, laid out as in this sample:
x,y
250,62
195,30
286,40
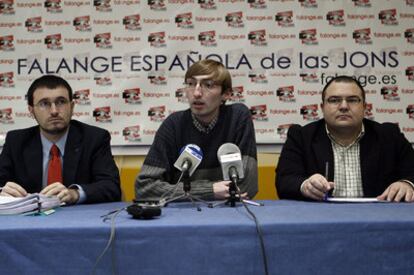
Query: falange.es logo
x,y
362,36
207,39
7,43
102,114
308,37
234,19
34,24
410,111
207,4
409,72
131,133
157,39
6,7
81,97
6,116
6,80
390,93
184,20
82,23
132,22
285,94
259,112
388,17
284,19
257,38
237,94
132,96
103,40
53,6
309,112
157,113
336,18
158,5
54,41
102,5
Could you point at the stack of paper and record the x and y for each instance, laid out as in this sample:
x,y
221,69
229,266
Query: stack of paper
x,y
29,204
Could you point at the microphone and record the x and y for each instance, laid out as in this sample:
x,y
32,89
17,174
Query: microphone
x,y
231,163
189,159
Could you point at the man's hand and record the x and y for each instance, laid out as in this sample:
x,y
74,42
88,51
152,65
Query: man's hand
x,y
221,191
397,192
69,196
315,187
12,189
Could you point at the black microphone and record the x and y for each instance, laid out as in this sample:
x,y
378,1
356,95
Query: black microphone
x,y
189,159
231,163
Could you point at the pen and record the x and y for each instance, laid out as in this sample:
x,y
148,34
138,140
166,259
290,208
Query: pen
x,y
329,193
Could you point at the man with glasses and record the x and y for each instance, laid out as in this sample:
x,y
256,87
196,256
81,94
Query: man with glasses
x,y
344,154
58,157
208,123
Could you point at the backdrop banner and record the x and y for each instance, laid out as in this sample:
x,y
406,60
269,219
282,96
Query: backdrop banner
x,y
126,59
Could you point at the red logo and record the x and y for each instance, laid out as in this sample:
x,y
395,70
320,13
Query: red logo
x,y
235,19
207,4
208,38
390,93
282,130
53,6
103,40
362,3
157,113
309,77
258,37
54,41
184,20
132,22
257,4
102,114
157,39
285,94
409,72
131,133
81,97
82,23
6,116
368,111
362,36
258,76
103,80
259,112
102,5
180,95
6,80
409,34
132,96
6,43
157,4
284,19
388,17
6,7
34,24
309,112
308,37
336,18
308,3
237,94
410,111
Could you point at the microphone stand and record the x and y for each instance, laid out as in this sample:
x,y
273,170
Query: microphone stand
x,y
187,194
233,190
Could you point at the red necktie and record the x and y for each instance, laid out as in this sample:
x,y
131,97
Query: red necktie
x,y
54,171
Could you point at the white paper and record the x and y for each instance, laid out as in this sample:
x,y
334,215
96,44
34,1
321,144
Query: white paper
x,y
356,200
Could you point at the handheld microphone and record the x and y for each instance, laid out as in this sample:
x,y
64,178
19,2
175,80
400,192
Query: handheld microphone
x,y
189,159
231,163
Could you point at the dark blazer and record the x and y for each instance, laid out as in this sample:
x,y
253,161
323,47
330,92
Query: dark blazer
x,y
88,161
386,156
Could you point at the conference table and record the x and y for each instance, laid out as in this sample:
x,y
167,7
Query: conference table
x,y
299,238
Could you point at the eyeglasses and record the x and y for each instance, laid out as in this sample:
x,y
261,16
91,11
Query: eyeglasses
x,y
337,100
47,105
205,84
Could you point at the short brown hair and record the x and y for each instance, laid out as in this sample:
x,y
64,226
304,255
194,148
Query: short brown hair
x,y
211,67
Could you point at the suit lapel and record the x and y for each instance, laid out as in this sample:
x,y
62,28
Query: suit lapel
x,y
33,160
322,150
72,155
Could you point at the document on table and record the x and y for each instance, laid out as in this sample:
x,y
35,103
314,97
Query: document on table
x,y
30,203
354,200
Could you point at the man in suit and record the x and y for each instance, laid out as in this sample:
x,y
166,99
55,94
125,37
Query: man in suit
x,y
345,153
58,157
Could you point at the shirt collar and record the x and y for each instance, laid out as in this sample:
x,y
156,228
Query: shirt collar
x,y
47,144
204,128
360,135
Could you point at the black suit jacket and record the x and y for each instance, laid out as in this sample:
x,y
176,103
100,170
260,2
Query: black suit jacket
x,y
386,156
88,161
